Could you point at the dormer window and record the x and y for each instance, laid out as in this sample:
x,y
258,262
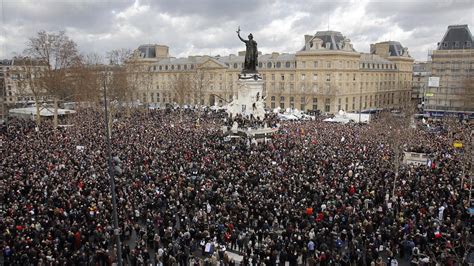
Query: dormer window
x,y
445,44
468,44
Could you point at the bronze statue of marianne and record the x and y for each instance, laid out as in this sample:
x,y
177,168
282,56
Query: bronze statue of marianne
x,y
251,54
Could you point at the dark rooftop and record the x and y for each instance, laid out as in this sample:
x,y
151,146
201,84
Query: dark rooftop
x,y
456,37
395,48
147,51
331,40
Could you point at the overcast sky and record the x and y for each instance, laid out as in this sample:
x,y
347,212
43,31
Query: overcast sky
x,y
198,27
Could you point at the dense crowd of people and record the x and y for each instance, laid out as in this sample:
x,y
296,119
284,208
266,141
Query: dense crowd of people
x,y
270,120
316,194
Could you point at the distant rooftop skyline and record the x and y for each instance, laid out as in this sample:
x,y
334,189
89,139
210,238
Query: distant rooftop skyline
x,y
208,27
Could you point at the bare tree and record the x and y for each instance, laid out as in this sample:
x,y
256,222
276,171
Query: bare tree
x,y
199,82
60,54
181,87
119,56
92,59
146,81
87,79
28,74
306,94
139,77
124,77
397,130
117,83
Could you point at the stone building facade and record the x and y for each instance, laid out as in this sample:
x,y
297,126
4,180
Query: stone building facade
x,y
421,74
325,75
453,63
4,67
16,73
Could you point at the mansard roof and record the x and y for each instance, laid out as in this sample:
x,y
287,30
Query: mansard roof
x,y
330,40
457,37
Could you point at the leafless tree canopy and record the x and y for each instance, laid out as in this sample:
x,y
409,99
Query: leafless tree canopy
x,y
119,56
55,49
60,55
181,86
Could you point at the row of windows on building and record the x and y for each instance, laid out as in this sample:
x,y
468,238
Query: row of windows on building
x,y
378,66
287,64
339,76
172,97
380,100
457,44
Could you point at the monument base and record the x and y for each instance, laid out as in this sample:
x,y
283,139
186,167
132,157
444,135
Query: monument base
x,y
247,76
249,101
257,135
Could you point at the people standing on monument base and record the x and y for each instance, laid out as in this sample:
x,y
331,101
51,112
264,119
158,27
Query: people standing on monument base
x,y
317,192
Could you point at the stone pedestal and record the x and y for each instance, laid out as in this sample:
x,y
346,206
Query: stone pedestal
x,y
249,100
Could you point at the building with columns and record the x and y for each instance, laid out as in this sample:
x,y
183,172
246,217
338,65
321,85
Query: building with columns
x,y
327,75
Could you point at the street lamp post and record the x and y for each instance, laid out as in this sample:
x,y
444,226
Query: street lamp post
x,y
360,101
111,176
423,99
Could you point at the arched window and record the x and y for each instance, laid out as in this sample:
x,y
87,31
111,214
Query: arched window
x,y
278,64
269,65
287,64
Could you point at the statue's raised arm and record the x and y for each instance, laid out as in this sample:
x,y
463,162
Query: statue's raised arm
x,y
238,34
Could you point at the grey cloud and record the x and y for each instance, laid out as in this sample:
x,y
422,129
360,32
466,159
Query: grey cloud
x,y
208,26
95,16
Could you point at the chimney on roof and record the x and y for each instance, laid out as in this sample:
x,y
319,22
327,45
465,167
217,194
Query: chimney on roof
x,y
372,48
307,38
